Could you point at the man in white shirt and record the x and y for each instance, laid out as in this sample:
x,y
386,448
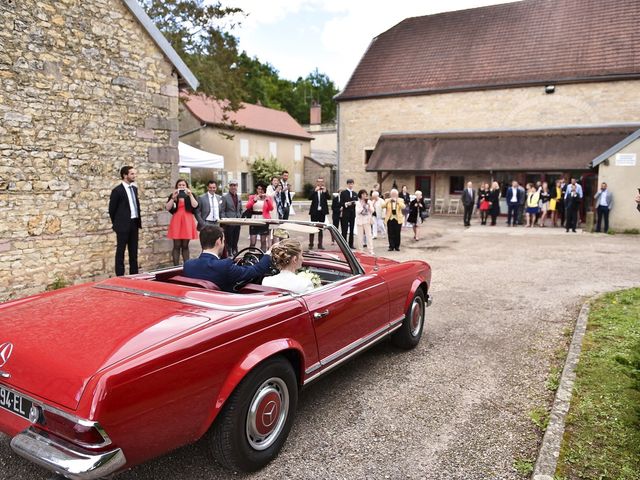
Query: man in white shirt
x,y
124,211
208,211
468,201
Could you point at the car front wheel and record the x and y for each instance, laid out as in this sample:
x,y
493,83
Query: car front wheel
x,y
256,419
410,332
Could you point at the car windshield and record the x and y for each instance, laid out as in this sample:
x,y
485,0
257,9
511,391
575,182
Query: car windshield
x,y
264,233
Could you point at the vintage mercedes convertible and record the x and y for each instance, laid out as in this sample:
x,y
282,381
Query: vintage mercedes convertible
x,y
99,377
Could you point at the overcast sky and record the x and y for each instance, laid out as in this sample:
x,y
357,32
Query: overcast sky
x,y
296,36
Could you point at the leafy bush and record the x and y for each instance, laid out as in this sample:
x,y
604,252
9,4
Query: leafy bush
x,y
264,170
307,190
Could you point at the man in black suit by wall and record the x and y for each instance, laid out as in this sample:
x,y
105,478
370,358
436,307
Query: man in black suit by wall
x,y
124,210
348,199
468,201
319,209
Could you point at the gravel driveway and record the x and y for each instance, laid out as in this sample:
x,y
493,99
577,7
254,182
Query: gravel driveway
x,y
457,406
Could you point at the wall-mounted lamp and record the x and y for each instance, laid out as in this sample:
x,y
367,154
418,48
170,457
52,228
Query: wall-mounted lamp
x,y
549,89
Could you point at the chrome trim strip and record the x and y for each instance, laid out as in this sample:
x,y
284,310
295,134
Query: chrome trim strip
x,y
396,322
59,456
313,368
189,301
352,346
381,333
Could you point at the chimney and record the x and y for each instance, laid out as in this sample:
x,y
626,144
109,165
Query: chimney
x,y
315,114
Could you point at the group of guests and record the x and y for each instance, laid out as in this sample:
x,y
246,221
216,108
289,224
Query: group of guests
x,y
362,216
190,215
535,203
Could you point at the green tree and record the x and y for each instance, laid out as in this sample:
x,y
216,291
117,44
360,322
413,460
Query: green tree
x,y
264,170
196,30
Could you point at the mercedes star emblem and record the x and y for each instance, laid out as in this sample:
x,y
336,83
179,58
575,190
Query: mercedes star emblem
x,y
5,352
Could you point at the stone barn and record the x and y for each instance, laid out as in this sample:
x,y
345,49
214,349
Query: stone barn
x,y
530,90
85,88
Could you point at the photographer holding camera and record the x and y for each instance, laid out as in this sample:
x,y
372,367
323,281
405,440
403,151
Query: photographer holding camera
x,y
319,209
182,228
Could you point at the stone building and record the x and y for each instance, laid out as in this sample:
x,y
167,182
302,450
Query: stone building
x,y
530,90
85,88
260,132
323,159
619,168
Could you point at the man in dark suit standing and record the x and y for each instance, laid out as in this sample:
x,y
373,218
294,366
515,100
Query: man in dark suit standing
x,y
468,201
223,272
515,196
124,210
319,209
231,207
348,199
286,195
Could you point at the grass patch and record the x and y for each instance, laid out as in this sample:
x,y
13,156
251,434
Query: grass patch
x,y
57,284
540,417
553,380
523,466
602,436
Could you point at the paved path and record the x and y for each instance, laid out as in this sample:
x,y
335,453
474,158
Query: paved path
x,y
456,407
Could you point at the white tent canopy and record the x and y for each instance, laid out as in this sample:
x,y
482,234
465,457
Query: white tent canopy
x,y
195,158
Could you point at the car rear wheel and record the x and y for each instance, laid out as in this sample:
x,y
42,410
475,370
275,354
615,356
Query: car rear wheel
x,y
409,334
256,419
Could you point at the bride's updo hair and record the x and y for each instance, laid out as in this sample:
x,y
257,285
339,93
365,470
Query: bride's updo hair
x,y
283,252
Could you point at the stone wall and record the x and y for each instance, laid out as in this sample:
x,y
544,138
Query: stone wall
x,y
83,91
361,122
623,180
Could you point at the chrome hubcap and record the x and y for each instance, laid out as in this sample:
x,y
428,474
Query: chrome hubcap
x,y
267,413
416,315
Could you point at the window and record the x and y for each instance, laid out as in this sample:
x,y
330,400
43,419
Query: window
x,y
273,149
456,184
297,152
367,155
244,182
244,147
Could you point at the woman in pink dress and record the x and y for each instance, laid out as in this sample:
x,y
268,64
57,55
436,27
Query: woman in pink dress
x,y
182,228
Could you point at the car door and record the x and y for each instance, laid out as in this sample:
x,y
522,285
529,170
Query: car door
x,y
348,315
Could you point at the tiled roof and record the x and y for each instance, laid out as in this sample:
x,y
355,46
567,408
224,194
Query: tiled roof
x,y
250,117
550,149
324,157
522,43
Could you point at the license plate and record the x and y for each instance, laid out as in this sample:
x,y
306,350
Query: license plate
x,y
15,403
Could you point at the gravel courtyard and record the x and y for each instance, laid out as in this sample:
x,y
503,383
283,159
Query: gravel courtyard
x,y
457,406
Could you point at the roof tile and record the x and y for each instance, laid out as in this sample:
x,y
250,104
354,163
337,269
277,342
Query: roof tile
x,y
520,43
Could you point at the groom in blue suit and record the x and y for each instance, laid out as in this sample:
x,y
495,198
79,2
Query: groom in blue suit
x,y
223,272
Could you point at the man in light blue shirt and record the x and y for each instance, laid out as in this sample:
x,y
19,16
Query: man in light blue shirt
x,y
604,202
578,188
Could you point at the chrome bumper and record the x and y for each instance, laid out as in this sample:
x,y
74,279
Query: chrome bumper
x,y
64,458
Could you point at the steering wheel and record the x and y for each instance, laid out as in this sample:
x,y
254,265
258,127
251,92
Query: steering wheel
x,y
247,257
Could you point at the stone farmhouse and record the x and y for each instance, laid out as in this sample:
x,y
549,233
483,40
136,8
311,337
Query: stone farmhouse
x,y
259,132
530,90
323,160
85,88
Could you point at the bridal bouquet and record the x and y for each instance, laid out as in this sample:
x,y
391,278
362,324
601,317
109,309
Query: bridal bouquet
x,y
314,277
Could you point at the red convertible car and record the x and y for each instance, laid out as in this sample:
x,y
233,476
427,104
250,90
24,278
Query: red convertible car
x,y
99,377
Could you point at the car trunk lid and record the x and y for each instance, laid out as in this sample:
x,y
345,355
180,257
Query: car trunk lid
x,y
61,339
